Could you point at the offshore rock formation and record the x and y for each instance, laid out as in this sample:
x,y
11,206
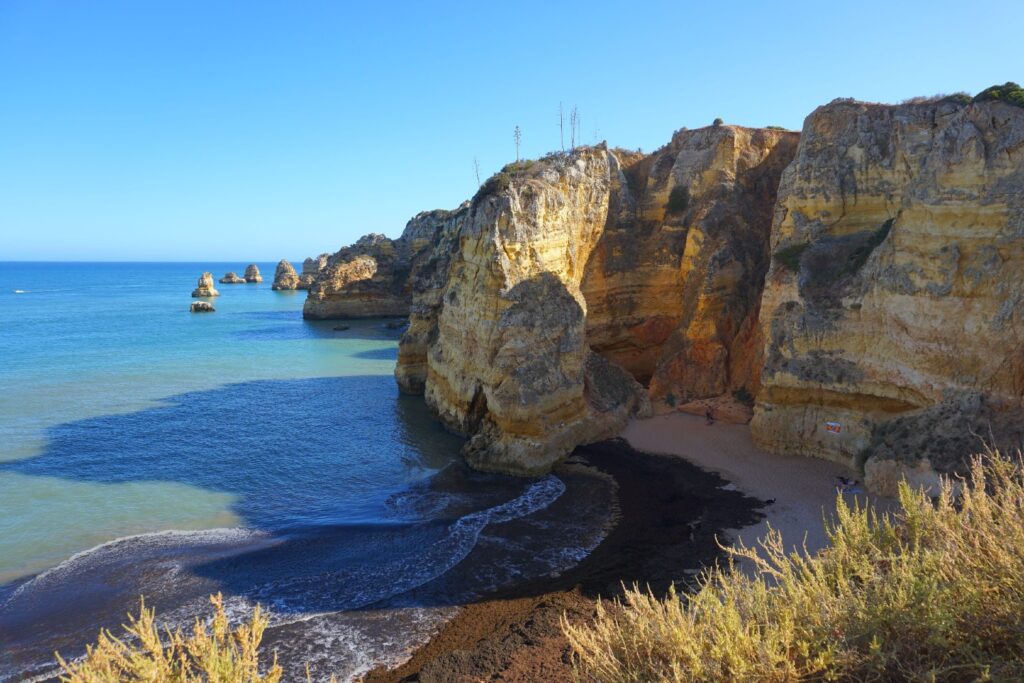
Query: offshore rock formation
x,y
893,314
204,288
252,273
201,307
311,267
231,278
285,276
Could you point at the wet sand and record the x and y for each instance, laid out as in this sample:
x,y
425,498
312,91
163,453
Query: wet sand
x,y
804,489
670,515
683,485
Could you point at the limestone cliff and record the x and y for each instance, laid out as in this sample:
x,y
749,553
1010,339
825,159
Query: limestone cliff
x,y
311,267
369,278
508,362
674,286
893,313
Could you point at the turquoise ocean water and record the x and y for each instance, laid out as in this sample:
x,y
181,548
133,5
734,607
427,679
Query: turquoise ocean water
x,y
147,450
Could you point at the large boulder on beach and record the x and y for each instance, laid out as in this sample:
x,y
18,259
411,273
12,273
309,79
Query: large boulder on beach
x,y
204,288
252,273
285,276
232,278
201,307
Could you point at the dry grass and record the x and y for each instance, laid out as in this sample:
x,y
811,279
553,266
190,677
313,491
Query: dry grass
x,y
217,654
934,592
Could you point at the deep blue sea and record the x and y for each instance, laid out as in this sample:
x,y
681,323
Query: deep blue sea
x,y
145,450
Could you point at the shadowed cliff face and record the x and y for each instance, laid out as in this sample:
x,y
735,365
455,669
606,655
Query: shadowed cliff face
x,y
674,285
895,289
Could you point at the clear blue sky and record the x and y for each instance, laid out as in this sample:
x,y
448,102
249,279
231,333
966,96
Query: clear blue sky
x,y
252,130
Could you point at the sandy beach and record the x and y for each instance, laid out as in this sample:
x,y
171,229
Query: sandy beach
x,y
684,487
804,489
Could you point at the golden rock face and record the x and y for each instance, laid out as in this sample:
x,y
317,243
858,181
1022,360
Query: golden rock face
x,y
674,285
508,363
896,284
861,279
564,282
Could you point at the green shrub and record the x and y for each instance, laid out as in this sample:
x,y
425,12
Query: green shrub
x,y
1008,92
670,399
220,654
933,592
678,200
777,128
958,98
717,122
519,166
499,182
790,256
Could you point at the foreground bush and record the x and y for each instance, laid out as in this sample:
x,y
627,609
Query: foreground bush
x,y
215,655
934,592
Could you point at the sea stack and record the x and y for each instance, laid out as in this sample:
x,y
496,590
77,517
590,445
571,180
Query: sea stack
x,y
285,276
204,288
201,307
252,274
232,278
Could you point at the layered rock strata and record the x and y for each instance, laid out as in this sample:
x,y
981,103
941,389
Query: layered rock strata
x,y
860,279
893,314
252,274
508,363
285,277
204,287
674,286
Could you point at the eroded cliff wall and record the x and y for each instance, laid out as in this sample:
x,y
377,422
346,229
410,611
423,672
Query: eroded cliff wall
x,y
674,286
892,313
568,279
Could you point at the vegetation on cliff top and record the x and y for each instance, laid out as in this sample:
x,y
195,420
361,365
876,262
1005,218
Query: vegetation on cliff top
x,y
218,654
934,592
1008,92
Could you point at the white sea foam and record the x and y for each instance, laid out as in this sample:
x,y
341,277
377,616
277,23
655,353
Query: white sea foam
x,y
152,539
334,635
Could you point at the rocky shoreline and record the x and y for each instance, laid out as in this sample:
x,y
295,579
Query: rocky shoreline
x,y
671,515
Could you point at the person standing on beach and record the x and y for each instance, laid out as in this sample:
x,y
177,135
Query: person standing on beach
x,y
709,415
